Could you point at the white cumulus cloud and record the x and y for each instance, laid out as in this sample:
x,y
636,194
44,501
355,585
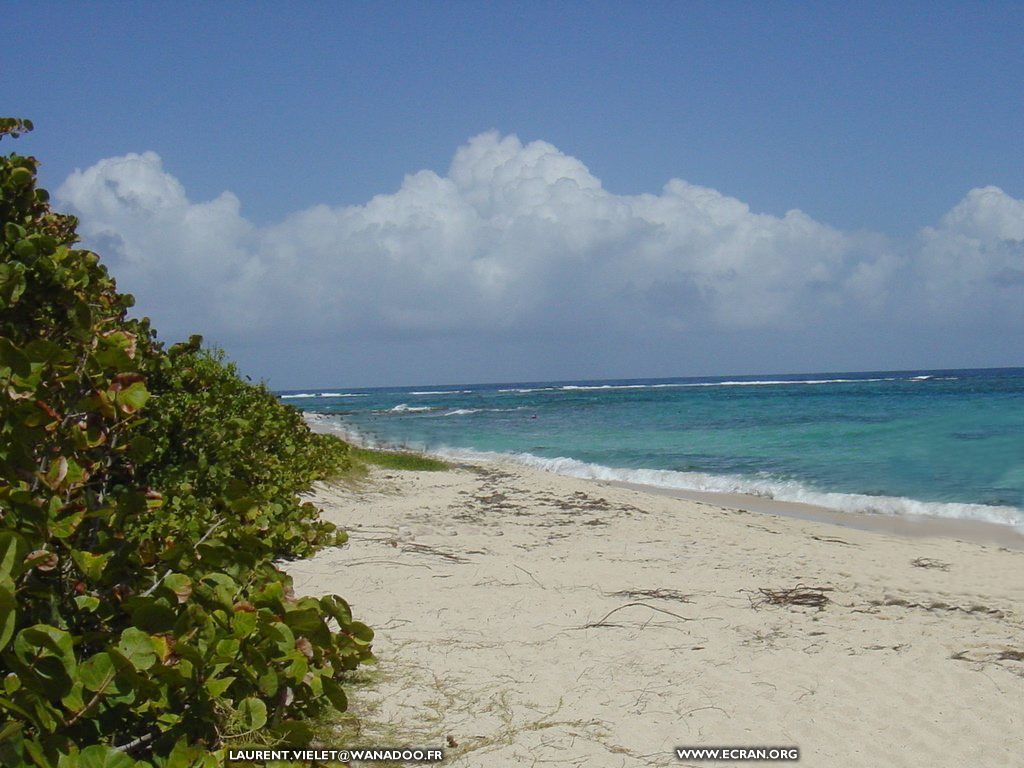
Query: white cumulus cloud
x,y
518,239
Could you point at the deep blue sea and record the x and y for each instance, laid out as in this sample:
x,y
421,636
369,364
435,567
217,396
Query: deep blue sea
x,y
942,443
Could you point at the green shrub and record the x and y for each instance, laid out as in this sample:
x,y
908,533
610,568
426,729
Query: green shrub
x,y
145,495
223,447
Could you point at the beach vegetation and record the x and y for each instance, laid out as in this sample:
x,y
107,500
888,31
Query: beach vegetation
x,y
406,460
147,496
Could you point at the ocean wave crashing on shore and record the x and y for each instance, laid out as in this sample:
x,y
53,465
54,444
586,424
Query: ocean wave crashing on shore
x,y
779,490
912,443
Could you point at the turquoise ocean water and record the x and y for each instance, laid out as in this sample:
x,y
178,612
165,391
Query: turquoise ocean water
x,y
942,443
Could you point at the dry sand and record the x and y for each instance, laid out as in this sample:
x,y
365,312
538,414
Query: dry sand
x,y
534,619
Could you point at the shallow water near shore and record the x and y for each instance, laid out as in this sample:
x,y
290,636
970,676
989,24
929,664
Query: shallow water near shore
x,y
915,443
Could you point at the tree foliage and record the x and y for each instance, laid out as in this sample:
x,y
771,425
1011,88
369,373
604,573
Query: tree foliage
x,y
145,496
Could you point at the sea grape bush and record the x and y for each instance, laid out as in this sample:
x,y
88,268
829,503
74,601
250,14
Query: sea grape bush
x,y
220,446
145,497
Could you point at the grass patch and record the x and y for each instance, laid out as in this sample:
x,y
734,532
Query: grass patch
x,y
363,724
398,460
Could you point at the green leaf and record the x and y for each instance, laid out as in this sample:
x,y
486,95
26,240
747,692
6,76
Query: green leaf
x,y
98,673
337,609
87,603
243,623
89,564
9,730
25,249
253,713
102,756
73,700
47,653
133,397
180,585
185,756
308,622
11,682
45,351
57,472
268,683
361,632
13,549
334,693
34,748
63,527
228,648
21,177
12,281
137,647
216,686
8,611
243,505
12,359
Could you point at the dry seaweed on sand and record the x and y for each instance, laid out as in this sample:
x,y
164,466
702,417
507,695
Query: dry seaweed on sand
x,y
927,562
426,549
800,595
656,594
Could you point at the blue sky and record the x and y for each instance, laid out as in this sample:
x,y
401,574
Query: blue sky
x,y
874,120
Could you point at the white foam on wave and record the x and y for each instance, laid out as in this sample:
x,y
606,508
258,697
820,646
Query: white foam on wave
x,y
443,392
324,394
435,410
469,411
322,422
777,382
781,490
682,385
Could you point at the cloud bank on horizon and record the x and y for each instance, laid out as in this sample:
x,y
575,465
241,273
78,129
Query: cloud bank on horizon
x,y
520,240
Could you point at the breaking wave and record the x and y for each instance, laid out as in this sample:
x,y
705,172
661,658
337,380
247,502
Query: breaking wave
x,y
686,385
323,395
444,392
781,490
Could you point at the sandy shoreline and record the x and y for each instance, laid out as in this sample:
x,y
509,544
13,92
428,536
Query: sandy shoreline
x,y
510,616
926,526
900,525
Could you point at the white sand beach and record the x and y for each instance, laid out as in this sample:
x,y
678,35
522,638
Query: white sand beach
x,y
525,618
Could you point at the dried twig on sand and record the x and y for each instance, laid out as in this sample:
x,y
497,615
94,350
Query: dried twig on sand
x,y
834,540
656,594
519,568
603,622
426,549
927,562
801,594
